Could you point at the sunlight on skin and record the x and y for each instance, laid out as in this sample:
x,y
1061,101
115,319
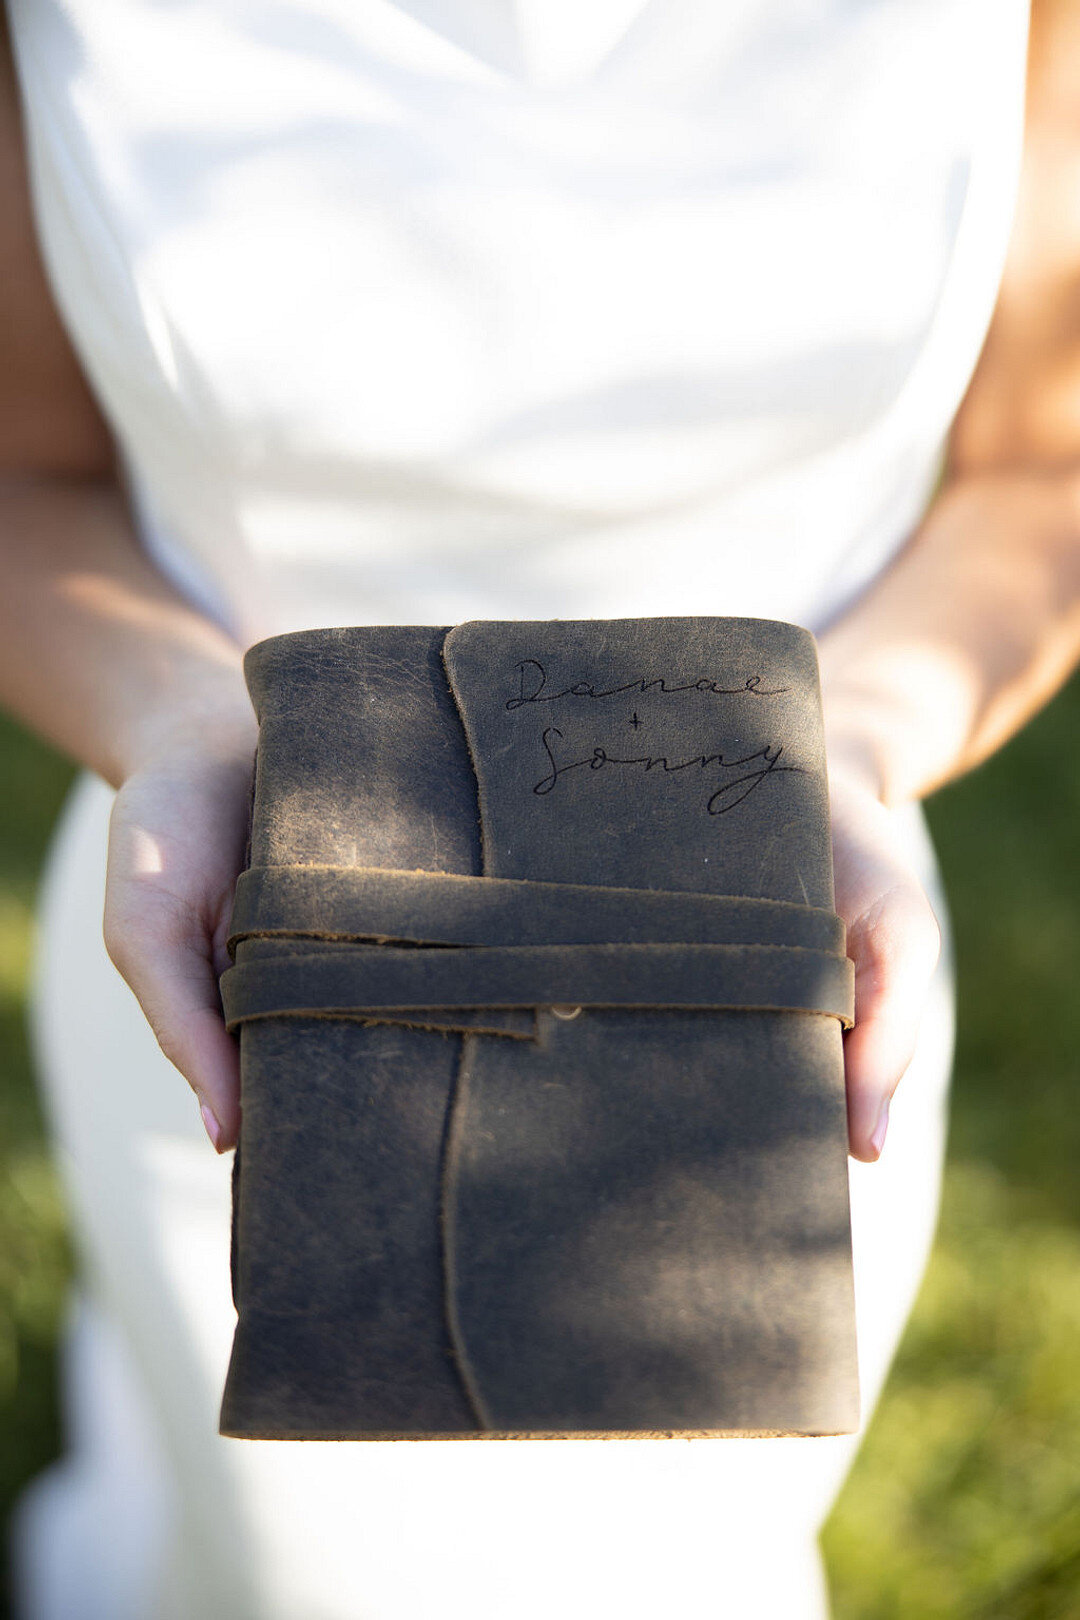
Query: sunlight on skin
x,y
917,703
974,626
145,854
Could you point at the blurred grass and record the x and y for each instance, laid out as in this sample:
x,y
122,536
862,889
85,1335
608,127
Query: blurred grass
x,y
35,1258
964,1503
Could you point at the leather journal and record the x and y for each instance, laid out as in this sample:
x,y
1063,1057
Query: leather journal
x,y
540,995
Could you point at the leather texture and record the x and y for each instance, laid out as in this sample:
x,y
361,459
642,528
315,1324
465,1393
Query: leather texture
x,y
540,995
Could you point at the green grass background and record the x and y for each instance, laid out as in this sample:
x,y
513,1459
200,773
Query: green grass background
x,y
964,1503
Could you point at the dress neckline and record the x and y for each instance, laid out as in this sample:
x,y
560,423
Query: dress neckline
x,y
549,43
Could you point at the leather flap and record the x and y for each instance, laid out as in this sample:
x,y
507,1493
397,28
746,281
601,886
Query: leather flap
x,y
658,753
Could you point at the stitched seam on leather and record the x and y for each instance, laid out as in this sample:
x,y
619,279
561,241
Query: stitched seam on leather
x,y
448,1193
404,941
451,1145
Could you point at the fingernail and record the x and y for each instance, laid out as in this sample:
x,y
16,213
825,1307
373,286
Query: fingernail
x,y
877,1141
213,1129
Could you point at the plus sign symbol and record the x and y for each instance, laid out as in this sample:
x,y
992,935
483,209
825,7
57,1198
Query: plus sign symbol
x,y
634,721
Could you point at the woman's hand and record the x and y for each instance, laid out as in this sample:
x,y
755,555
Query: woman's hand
x,y
894,940
176,845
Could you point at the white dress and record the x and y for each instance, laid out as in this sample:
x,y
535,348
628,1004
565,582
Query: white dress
x,y
409,311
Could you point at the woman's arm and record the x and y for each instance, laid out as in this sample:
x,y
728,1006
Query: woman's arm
x,y
101,656
95,646
98,653
977,623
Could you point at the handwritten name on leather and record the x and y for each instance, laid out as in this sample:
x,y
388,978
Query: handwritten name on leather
x,y
592,740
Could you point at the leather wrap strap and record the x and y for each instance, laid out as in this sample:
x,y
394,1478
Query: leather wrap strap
x,y
445,908
590,947
380,979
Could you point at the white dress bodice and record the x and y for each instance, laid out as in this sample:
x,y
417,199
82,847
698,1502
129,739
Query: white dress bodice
x,y
423,310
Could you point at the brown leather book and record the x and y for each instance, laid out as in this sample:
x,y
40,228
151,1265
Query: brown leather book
x,y
540,995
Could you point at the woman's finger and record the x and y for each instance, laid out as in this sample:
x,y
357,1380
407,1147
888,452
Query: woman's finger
x,y
895,946
164,955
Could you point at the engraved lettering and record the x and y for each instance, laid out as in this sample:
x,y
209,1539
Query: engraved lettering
x,y
532,687
725,798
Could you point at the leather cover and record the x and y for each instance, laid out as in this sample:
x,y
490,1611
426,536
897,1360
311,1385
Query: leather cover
x,y
456,1211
